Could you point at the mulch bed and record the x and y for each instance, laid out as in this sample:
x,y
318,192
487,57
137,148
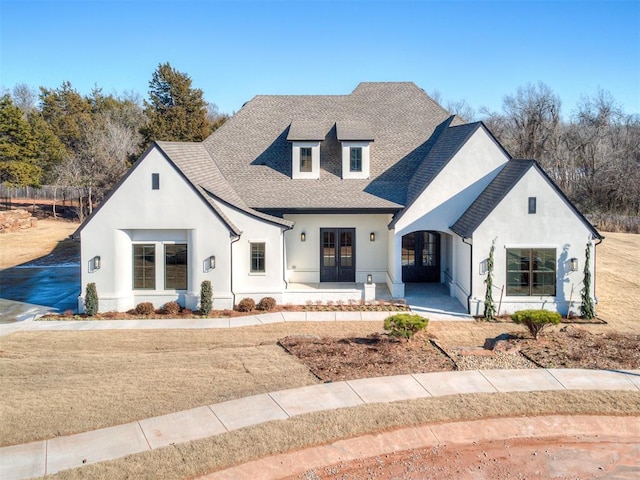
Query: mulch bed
x,y
336,359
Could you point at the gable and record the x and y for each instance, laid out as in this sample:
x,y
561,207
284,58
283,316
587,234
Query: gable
x,y
504,204
466,161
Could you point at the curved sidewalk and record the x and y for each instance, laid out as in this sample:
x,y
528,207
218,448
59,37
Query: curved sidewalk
x,y
61,453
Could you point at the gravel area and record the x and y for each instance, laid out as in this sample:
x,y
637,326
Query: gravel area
x,y
500,360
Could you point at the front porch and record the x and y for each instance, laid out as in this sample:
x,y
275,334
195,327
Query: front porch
x,y
431,300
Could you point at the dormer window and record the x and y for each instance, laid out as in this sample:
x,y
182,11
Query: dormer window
x,y
356,139
305,137
355,164
306,162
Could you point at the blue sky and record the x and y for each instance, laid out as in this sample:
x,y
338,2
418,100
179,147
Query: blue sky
x,y
479,51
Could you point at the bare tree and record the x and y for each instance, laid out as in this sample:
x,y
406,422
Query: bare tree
x,y
25,98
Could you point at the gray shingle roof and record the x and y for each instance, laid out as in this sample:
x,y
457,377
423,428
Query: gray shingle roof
x,y
308,130
499,187
350,130
253,153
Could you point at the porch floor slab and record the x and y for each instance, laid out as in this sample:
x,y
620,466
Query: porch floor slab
x,y
432,300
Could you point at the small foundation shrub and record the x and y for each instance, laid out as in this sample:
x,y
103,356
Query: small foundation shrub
x,y
536,320
267,303
145,308
91,300
405,325
171,308
246,305
206,294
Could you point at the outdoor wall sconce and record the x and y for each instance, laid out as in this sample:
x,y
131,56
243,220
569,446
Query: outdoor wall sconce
x,y
574,264
372,237
369,279
96,262
211,262
303,237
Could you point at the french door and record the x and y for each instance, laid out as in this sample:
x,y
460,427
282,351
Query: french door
x,y
421,257
337,254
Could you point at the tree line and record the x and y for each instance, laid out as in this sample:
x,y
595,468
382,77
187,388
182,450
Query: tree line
x,y
60,137
87,142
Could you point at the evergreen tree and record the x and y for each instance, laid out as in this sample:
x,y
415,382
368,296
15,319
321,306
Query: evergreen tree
x,y
489,304
18,147
587,309
175,110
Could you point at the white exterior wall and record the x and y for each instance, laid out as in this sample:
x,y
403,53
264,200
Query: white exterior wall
x,y
315,160
256,285
346,160
172,214
303,258
553,226
459,285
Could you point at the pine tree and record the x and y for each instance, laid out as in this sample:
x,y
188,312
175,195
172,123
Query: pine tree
x,y
175,110
587,309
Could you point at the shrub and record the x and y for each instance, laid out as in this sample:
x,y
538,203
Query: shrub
x,y
171,308
91,300
145,308
405,325
536,320
267,303
206,303
246,305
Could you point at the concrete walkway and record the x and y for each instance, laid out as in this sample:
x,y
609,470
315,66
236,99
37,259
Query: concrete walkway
x,y
155,324
61,453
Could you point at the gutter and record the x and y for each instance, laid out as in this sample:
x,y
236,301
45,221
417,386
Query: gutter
x,y
284,258
471,274
600,240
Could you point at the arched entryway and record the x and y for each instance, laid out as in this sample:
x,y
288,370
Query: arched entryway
x,y
421,257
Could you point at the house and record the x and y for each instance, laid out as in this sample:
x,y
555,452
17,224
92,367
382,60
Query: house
x,y
330,191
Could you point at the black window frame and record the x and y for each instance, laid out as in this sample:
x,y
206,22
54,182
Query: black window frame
x,y
306,159
531,272
176,266
355,161
532,205
155,181
257,257
144,266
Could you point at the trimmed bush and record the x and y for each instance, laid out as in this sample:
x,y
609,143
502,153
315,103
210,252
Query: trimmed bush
x,y
405,325
145,308
267,303
171,308
536,320
91,300
246,305
206,293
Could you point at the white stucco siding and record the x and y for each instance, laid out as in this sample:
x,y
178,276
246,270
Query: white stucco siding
x,y
455,187
303,258
554,225
459,285
246,283
136,213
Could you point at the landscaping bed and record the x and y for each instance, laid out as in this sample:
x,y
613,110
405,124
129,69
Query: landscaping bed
x,y
336,359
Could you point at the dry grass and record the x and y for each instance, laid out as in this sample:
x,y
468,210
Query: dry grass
x,y
618,280
58,383
200,457
25,245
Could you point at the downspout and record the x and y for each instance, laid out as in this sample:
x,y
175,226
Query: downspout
x,y
470,274
231,266
284,259
594,267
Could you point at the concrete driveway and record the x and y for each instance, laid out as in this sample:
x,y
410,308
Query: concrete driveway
x,y
56,287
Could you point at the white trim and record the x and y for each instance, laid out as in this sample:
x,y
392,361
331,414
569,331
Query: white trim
x,y
530,245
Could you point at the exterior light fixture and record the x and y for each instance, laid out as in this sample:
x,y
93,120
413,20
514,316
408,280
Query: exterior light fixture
x,y
96,262
211,262
303,237
369,279
372,237
574,264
